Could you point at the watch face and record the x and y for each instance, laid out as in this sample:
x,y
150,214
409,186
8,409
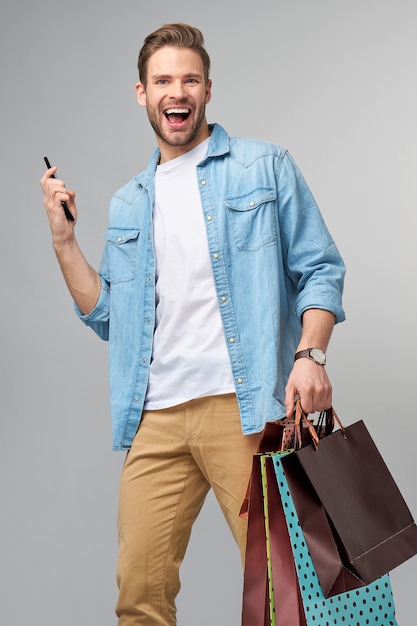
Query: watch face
x,y
318,355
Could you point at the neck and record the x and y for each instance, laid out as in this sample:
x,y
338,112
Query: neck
x,y
169,152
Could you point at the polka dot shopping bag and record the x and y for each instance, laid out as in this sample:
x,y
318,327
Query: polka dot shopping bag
x,y
370,604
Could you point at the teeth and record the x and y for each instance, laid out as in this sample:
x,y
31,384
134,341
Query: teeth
x,y
176,111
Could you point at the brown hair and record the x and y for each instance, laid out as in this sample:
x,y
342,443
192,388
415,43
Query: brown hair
x,y
175,35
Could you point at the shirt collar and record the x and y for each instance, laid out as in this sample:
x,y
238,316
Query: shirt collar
x,y
218,146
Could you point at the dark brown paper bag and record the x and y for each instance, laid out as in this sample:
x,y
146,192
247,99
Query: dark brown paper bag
x,y
287,433
286,593
354,518
276,436
255,611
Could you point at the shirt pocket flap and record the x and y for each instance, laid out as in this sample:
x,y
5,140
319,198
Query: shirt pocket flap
x,y
121,253
252,200
119,236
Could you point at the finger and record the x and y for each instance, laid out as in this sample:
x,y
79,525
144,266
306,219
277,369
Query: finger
x,y
306,403
318,400
57,186
52,186
49,173
71,196
290,398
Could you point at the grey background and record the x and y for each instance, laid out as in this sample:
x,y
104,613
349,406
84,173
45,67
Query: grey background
x,y
332,81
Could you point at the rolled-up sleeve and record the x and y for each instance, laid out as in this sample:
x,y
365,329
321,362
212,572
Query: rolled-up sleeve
x,y
98,318
313,262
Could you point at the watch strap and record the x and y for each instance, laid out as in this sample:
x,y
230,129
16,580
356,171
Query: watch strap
x,y
302,354
309,354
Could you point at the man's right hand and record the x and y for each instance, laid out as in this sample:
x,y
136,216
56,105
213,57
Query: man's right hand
x,y
54,193
82,280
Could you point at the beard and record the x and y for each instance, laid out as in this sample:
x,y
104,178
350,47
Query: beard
x,y
176,137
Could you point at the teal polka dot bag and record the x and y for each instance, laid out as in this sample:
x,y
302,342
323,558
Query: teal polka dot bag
x,y
370,604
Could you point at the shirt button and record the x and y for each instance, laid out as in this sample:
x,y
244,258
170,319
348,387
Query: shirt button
x,y
119,239
251,203
215,255
224,299
204,182
143,360
136,399
147,320
232,340
240,381
209,218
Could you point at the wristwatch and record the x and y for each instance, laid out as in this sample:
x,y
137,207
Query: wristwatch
x,y
317,355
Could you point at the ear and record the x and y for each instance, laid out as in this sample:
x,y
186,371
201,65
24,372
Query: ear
x,y
208,91
141,94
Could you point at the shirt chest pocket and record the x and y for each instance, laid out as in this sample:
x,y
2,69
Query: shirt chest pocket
x,y
121,253
253,218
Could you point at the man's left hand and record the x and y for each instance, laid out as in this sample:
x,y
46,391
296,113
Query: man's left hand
x,y
309,382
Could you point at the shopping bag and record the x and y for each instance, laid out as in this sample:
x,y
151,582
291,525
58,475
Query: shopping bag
x,y
276,436
286,606
355,521
271,594
287,433
370,604
255,609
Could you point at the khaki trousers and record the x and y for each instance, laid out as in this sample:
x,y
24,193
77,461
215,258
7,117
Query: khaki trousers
x,y
178,454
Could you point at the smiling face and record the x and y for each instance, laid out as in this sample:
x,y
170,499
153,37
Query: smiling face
x,y
175,97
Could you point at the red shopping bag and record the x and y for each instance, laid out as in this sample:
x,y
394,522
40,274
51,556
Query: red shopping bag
x,y
271,593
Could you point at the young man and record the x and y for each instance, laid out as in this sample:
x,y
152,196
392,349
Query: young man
x,y
218,292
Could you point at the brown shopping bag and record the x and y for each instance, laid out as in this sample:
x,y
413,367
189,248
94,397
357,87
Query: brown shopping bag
x,y
288,433
271,593
276,436
355,521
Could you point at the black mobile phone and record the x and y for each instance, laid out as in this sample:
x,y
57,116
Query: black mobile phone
x,y
67,212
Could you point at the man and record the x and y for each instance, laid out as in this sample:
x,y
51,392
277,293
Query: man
x,y
218,278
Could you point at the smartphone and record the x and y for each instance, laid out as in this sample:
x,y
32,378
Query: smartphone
x,y
67,212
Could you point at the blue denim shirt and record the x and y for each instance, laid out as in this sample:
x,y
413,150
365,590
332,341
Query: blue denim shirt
x,y
272,258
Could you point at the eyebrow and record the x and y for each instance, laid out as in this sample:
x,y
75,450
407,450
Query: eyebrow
x,y
165,76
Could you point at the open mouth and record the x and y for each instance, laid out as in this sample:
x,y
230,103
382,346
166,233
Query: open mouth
x,y
177,115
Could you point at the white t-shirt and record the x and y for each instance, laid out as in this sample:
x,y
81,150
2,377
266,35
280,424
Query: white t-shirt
x,y
189,357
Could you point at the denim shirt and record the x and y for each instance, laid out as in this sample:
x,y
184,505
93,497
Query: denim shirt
x,y
272,258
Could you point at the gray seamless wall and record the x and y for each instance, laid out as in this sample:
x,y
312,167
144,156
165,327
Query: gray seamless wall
x,y
331,81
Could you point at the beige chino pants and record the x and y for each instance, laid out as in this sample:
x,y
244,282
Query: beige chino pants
x,y
178,454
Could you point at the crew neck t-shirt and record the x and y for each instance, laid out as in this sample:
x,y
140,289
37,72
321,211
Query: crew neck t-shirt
x,y
189,356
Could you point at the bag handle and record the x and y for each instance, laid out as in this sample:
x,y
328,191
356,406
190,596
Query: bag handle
x,y
300,417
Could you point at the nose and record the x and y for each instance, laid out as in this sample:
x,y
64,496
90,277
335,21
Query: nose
x,y
178,90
